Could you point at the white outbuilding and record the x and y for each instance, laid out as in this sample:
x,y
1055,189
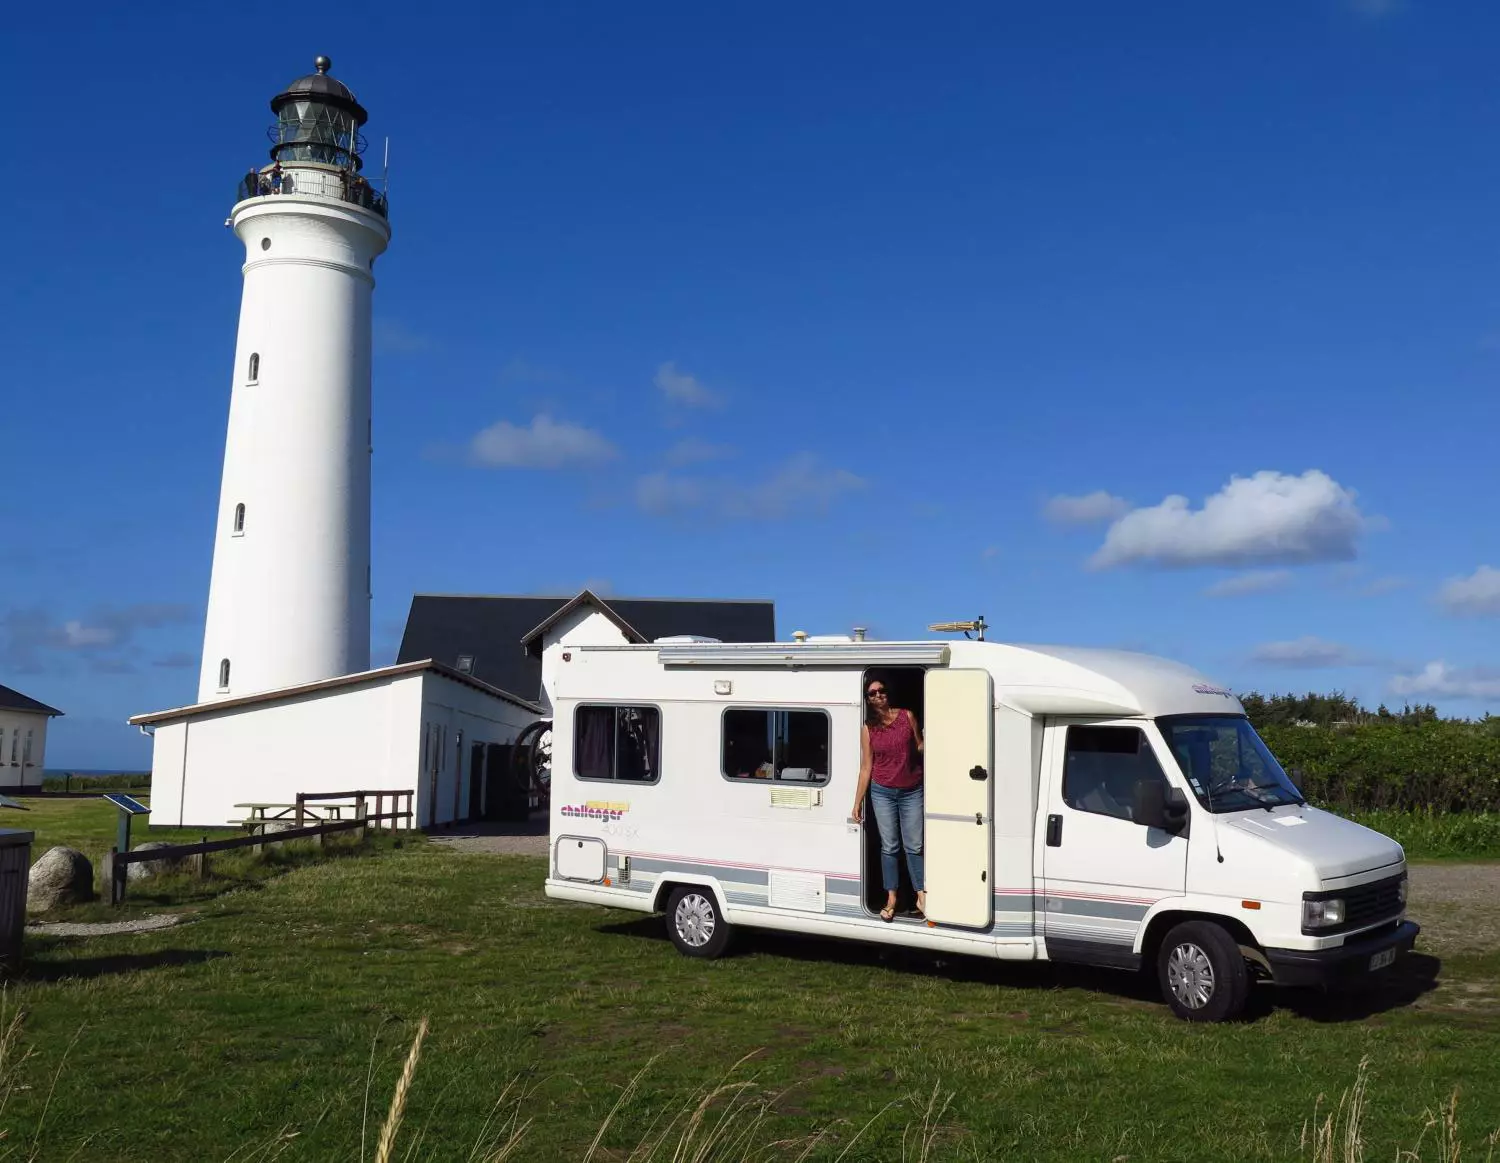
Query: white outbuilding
x,y
23,738
421,727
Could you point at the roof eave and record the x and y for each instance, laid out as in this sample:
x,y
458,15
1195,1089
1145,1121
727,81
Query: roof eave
x,y
583,597
176,714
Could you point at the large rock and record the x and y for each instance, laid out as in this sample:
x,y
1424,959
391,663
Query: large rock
x,y
147,868
61,876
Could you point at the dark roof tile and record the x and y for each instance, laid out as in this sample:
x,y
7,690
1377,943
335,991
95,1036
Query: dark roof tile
x,y
445,627
12,700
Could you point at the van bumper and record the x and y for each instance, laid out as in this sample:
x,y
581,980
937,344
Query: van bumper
x,y
1346,963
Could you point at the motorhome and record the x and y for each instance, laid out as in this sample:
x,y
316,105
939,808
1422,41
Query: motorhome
x,y
1090,806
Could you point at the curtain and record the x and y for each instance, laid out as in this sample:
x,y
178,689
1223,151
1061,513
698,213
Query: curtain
x,y
594,742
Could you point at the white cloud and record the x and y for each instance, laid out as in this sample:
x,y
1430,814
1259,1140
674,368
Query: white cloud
x,y
1257,581
546,444
1270,518
695,451
395,337
32,640
1094,508
1477,594
802,484
75,634
1441,680
682,388
1308,652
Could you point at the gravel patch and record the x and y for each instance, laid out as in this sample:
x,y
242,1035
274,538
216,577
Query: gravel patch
x,y
105,928
507,839
1458,907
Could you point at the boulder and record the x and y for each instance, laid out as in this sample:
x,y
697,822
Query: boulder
x,y
148,868
61,876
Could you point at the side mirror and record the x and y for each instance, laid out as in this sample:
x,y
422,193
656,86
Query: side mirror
x,y
1149,808
1158,806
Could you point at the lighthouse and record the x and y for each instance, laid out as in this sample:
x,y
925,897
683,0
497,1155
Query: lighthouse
x,y
289,592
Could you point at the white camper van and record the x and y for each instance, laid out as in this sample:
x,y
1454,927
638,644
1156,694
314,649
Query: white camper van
x,y
1092,806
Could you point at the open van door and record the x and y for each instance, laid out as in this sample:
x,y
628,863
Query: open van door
x,y
958,802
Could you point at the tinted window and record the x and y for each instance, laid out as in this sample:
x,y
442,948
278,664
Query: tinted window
x,y
1101,767
620,743
787,746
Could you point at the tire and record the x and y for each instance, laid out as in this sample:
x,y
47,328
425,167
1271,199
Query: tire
x,y
1202,973
695,924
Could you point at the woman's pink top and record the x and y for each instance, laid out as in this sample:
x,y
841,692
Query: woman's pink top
x,y
892,754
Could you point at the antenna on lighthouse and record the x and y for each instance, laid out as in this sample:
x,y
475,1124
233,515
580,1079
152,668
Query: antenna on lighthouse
x,y
385,172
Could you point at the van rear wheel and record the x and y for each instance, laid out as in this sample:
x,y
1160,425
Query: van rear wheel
x,y
695,924
1202,972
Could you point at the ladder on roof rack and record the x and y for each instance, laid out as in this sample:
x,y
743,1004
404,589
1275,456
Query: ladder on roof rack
x,y
977,626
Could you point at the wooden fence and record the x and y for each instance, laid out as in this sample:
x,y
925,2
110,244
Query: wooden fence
x,y
117,862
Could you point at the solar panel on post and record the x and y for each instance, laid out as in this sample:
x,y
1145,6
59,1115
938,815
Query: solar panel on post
x,y
129,806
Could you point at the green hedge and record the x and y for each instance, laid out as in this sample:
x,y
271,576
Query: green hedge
x,y
1445,765
138,781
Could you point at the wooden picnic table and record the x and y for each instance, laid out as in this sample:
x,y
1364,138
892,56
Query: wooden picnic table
x,y
259,813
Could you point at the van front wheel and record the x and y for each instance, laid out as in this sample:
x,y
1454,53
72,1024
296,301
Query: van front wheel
x,y
1202,972
695,924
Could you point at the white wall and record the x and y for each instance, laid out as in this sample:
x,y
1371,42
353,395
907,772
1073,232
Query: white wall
x,y
585,626
366,737
454,717
16,770
289,597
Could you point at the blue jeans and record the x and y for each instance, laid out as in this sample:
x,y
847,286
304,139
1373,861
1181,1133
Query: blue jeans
x,y
898,815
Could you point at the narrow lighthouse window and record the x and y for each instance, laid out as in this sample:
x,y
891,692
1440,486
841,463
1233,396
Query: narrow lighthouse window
x,y
239,519
223,674
254,367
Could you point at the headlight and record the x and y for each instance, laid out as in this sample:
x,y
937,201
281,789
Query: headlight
x,y
1321,914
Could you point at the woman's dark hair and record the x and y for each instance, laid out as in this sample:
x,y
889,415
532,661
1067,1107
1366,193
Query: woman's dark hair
x,y
872,717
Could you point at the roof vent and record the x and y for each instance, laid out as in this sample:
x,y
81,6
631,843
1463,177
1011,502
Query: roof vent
x,y
799,635
673,639
859,633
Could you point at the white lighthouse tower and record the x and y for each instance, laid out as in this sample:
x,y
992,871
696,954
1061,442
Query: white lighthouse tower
x,y
289,595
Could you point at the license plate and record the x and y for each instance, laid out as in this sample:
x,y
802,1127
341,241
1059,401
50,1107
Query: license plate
x,y
1382,959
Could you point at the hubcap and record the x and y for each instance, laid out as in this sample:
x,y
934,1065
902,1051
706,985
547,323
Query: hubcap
x,y
1190,976
694,920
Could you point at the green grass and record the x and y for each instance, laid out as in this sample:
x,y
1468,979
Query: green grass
x,y
91,826
279,1020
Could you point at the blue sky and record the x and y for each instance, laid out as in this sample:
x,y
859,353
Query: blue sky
x,y
1169,326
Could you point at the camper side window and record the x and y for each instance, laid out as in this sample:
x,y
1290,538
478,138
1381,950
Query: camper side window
x,y
617,743
1101,767
785,746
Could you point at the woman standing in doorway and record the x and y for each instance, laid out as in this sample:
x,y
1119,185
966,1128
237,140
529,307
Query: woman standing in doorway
x,y
890,769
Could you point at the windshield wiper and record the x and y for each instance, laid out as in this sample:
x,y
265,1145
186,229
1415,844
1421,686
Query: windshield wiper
x,y
1264,797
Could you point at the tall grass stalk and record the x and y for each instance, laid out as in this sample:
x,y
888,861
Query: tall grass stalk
x,y
398,1100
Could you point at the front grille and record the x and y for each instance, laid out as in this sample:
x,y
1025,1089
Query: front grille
x,y
1376,901
1365,904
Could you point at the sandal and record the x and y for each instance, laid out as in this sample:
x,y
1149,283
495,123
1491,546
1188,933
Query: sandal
x,y
888,914
922,905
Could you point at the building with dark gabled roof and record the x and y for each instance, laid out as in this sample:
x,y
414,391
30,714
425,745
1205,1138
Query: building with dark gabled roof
x,y
501,639
23,738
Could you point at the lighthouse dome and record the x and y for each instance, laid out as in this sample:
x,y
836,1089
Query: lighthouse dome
x,y
321,88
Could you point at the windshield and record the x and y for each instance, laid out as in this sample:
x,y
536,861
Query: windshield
x,y
1226,764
